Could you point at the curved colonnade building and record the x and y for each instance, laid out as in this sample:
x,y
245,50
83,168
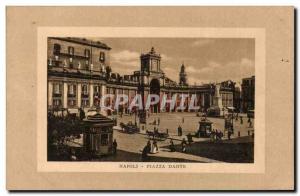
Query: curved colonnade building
x,y
79,74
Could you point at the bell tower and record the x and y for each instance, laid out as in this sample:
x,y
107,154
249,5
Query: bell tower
x,y
182,76
150,62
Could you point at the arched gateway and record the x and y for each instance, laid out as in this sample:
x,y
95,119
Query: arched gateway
x,y
155,89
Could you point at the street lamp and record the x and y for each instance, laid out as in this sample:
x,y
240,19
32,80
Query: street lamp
x,y
142,112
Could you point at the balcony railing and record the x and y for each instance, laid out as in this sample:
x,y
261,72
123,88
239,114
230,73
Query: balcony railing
x,y
73,56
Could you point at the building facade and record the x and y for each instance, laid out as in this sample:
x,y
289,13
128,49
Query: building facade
x,y
248,93
79,74
237,99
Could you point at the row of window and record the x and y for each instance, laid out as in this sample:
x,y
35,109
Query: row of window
x,y
71,51
72,89
73,103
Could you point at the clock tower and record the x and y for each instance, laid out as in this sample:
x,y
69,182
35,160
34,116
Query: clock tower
x,y
150,62
182,76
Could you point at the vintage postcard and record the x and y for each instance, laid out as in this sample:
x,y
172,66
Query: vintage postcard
x,y
149,99
153,100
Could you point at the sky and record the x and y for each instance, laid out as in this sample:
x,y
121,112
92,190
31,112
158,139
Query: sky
x,y
206,59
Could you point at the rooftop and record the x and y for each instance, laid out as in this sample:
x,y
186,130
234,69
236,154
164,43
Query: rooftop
x,y
84,41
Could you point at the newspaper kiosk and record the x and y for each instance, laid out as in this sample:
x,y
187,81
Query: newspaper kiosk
x,y
98,135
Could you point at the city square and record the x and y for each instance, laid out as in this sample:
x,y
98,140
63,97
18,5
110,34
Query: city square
x,y
238,149
135,143
93,114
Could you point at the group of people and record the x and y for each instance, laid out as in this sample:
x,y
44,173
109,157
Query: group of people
x,y
150,148
241,120
156,122
216,135
183,146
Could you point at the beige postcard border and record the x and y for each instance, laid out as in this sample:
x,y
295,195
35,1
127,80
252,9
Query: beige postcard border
x,y
260,75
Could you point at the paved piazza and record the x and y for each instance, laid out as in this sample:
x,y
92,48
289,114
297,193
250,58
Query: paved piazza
x,y
130,145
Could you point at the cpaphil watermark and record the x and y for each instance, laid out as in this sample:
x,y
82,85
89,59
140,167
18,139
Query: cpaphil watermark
x,y
176,102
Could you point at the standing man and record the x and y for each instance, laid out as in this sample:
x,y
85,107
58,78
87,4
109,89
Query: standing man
x,y
158,121
81,114
250,123
115,145
172,146
212,135
179,130
183,145
146,151
229,135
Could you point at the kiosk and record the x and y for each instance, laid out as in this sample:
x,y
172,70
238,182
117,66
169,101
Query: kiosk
x,y
98,135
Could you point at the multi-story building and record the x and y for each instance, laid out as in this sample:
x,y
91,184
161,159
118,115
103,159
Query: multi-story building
x,y
248,93
237,99
79,74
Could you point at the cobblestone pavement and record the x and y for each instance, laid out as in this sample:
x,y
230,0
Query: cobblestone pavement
x,y
189,123
134,143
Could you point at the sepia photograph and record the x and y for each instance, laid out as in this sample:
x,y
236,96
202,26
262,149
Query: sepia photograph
x,y
151,99
140,98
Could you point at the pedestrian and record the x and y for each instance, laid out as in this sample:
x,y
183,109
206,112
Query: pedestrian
x,y
229,135
183,145
250,124
190,138
219,135
155,130
115,145
146,151
167,131
241,118
172,147
154,149
212,135
73,155
216,135
81,114
179,130
182,120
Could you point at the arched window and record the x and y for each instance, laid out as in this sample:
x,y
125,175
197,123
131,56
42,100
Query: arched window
x,y
71,50
85,89
102,57
56,49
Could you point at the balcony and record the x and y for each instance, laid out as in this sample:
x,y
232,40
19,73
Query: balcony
x,y
73,56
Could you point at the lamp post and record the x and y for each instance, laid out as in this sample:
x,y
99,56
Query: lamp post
x,y
135,123
142,112
232,121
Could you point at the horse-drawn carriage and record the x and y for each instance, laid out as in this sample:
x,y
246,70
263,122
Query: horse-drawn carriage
x,y
129,128
157,135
